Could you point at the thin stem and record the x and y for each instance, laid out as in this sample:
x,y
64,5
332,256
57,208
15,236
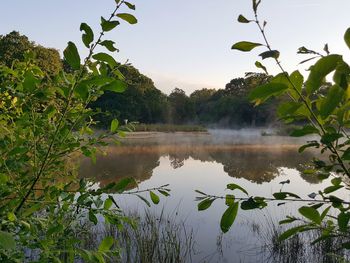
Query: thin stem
x,y
331,147
65,111
274,199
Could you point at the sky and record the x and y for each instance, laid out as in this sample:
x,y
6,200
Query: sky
x,y
187,43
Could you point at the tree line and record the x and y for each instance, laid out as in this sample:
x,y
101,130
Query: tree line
x,y
142,102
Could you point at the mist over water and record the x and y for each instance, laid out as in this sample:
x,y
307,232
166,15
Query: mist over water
x,y
208,162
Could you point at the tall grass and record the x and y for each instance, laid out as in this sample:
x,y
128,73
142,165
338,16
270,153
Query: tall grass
x,y
299,248
149,239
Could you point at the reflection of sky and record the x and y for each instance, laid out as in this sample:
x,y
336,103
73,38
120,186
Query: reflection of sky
x,y
211,178
208,162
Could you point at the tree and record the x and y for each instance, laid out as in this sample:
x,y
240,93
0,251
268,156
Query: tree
x,y
141,101
14,46
181,107
200,100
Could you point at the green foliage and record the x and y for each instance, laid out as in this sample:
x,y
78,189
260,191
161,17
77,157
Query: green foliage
x,y
88,36
323,108
347,37
15,47
45,123
245,46
71,55
229,217
128,18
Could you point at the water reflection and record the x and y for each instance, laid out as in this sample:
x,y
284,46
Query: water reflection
x,y
256,163
208,162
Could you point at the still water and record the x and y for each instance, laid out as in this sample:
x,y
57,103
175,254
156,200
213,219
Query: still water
x,y
208,162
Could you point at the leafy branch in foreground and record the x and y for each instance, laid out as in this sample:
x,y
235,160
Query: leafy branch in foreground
x,y
45,124
323,110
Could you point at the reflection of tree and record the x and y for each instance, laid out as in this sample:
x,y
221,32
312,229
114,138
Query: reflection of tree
x,y
310,178
176,162
257,164
113,167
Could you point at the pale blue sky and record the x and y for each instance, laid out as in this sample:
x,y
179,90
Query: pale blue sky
x,y
186,43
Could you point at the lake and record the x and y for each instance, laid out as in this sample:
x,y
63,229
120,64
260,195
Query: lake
x,y
208,162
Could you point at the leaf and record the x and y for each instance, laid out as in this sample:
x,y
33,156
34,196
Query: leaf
x,y
235,186
307,129
229,200
306,60
261,66
284,195
290,232
346,154
109,44
328,138
131,6
336,181
325,212
297,79
341,74
252,204
245,46
31,210
154,198
108,25
256,3
311,214
114,125
320,70
336,201
262,93
288,108
30,81
242,19
200,192
54,229
343,221
106,244
115,86
270,54
82,90
311,144
228,217
106,58
108,204
7,241
333,188
144,200
332,100
92,217
88,36
287,221
347,37
205,204
128,18
165,193
71,55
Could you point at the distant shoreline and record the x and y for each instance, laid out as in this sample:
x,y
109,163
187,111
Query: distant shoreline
x,y
148,134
